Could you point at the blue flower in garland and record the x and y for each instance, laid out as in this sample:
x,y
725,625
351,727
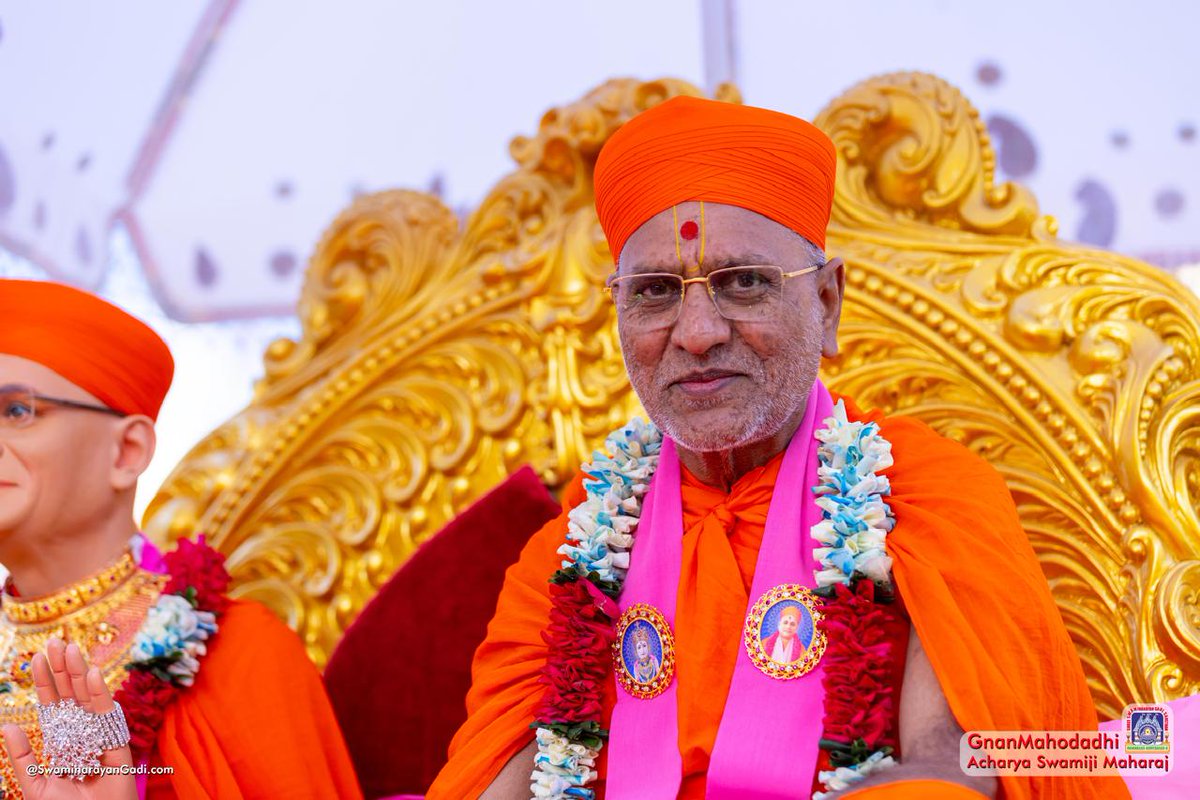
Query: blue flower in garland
x,y
172,639
856,519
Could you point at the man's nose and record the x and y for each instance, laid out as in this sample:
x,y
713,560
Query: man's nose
x,y
700,326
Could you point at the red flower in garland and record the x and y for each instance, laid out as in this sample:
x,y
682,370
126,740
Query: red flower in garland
x,y
197,566
145,699
858,662
579,637
195,571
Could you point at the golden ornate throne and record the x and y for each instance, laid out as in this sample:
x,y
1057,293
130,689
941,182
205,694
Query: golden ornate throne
x,y
437,356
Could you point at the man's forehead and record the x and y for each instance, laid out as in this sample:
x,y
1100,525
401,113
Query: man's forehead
x,y
717,216
26,372
730,236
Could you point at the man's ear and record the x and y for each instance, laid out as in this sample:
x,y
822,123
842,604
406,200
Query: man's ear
x,y
135,441
831,290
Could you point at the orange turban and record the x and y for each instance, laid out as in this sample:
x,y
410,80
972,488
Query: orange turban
x,y
91,343
693,149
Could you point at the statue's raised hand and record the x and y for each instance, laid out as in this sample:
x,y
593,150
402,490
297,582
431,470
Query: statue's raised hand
x,y
82,730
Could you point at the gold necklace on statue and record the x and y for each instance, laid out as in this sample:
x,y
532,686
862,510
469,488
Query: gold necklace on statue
x,y
101,614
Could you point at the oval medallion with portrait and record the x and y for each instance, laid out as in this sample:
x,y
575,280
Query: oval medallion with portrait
x,y
644,651
782,634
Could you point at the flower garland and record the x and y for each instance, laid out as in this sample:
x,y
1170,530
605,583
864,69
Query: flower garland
x,y
171,641
600,535
856,581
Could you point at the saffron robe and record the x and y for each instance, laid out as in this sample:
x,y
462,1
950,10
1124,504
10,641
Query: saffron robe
x,y
964,569
257,722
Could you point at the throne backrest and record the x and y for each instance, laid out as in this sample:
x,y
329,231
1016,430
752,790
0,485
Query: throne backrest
x,y
437,356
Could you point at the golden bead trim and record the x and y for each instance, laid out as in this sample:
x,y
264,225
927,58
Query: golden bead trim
x,y
73,598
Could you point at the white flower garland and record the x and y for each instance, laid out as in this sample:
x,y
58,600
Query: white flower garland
x,y
854,530
562,768
850,492
601,533
600,530
172,638
844,777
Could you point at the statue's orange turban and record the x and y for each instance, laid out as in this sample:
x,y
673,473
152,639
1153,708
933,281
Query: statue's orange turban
x,y
93,344
692,149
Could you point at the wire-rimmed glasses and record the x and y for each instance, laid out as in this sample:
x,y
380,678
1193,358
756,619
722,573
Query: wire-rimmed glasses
x,y
19,406
750,293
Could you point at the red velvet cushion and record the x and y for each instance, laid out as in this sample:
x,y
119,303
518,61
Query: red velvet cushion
x,y
400,674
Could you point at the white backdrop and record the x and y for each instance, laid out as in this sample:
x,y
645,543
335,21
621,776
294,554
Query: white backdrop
x,y
1093,105
183,158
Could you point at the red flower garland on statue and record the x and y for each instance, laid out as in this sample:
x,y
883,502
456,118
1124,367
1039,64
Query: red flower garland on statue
x,y
196,573
144,699
196,566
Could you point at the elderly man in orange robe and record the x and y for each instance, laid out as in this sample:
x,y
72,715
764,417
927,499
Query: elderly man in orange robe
x,y
929,614
219,696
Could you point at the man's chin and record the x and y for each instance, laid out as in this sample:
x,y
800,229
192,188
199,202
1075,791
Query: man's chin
x,y
707,430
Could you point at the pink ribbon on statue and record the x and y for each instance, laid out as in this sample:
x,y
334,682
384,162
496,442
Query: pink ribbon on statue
x,y
147,555
767,742
150,559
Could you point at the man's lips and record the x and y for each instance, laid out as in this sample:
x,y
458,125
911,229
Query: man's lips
x,y
705,382
6,484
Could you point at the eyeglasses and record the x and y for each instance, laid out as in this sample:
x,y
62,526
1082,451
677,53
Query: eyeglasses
x,y
19,406
652,300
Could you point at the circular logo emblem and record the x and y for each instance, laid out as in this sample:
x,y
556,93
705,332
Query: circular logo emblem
x,y
644,652
781,634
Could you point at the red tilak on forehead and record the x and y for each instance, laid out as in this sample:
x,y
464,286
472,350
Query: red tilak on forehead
x,y
689,230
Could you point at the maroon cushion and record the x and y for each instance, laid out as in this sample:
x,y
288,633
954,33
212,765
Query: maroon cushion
x,y
400,674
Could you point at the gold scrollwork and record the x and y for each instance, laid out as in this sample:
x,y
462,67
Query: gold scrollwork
x,y
436,355
1067,367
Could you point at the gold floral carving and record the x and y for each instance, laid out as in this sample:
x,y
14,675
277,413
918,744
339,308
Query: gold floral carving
x,y
1074,371
438,354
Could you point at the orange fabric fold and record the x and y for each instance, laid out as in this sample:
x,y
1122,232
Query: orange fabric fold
x,y
964,568
504,673
916,790
256,724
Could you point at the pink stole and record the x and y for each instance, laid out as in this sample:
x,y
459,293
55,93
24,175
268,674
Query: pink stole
x,y
767,740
